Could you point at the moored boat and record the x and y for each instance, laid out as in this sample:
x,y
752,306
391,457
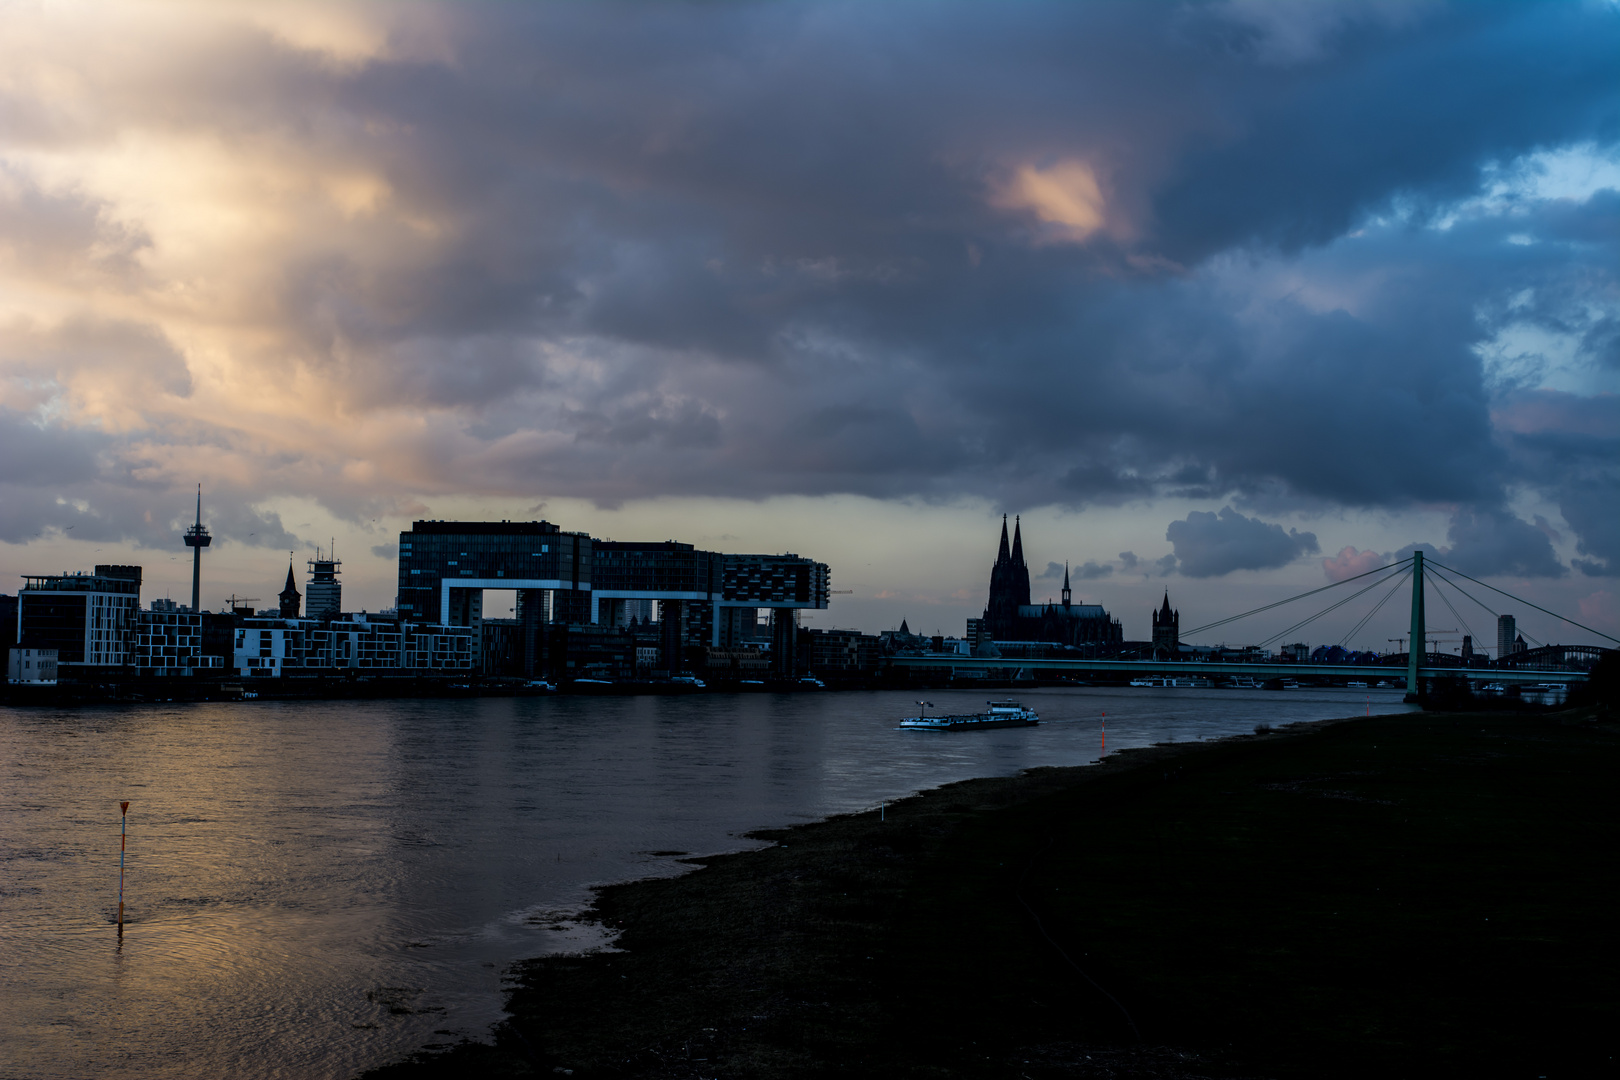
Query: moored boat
x,y
999,714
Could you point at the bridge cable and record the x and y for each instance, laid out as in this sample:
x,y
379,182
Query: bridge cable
x,y
1368,617
1454,611
1538,607
1482,604
1291,599
1324,611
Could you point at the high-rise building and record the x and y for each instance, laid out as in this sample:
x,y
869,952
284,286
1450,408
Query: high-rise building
x,y
571,578
1506,631
323,596
89,619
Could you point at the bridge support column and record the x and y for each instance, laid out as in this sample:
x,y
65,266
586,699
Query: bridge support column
x,y
1414,686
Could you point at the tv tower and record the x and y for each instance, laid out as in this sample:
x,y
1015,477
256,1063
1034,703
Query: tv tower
x,y
197,538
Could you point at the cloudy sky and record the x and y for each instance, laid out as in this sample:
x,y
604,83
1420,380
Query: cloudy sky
x,y
1229,298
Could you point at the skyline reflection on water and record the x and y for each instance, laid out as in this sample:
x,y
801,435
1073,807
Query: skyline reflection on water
x,y
315,888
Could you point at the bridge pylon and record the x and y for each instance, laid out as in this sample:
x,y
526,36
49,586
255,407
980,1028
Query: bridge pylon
x,y
1413,653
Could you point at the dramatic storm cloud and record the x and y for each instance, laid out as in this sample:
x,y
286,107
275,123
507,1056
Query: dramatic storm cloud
x,y
1291,259
1208,545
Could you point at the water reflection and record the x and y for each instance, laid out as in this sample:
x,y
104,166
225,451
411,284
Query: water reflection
x,y
315,888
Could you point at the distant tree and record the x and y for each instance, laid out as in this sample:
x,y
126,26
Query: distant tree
x,y
1450,692
1603,688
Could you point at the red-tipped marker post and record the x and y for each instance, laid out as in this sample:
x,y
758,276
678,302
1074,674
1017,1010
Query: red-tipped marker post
x,y
123,840
1105,734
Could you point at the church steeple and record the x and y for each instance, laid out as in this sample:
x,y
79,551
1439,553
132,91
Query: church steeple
x,y
1019,574
291,599
1066,583
1166,631
1002,558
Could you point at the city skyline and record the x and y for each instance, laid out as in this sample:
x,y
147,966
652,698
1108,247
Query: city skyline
x,y
1225,298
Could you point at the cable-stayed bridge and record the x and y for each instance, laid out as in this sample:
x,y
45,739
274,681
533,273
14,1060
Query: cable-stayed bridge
x,y
1420,665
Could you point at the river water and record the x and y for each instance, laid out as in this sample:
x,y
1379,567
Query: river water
x,y
316,888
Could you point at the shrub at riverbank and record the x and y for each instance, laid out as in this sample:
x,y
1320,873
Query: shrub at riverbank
x,y
1409,895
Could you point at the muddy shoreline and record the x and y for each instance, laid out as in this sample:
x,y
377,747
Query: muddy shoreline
x,y
1313,901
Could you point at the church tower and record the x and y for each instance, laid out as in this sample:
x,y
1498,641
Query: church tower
x,y
1020,572
1066,593
290,596
1166,631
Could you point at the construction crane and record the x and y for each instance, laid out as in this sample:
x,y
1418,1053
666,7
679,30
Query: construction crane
x,y
235,601
1434,638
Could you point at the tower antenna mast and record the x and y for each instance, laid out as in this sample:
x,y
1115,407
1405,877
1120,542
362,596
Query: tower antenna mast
x,y
197,538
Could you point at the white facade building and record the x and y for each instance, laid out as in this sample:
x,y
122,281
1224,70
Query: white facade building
x,y
31,667
268,648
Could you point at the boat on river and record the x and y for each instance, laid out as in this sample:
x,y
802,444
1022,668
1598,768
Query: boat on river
x,y
998,714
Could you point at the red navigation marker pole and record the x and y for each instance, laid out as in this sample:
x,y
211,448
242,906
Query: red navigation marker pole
x,y
1105,735
123,837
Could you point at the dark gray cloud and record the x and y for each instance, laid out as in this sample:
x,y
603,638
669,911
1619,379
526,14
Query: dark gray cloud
x,y
825,235
1209,545
1488,542
1569,446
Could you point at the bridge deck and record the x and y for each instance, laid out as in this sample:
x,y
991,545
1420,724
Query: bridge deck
x,y
1259,671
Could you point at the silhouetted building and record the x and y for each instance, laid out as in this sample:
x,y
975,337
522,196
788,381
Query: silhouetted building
x,y
8,621
1166,631
1011,617
291,599
1506,631
1009,585
196,539
703,598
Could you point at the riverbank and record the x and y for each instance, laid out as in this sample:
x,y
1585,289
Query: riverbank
x,y
1392,895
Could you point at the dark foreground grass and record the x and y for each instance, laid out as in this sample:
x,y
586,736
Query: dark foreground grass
x,y
1420,895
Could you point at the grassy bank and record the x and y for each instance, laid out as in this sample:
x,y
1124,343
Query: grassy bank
x,y
1398,896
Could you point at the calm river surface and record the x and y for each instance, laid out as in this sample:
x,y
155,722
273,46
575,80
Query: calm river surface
x,y
316,888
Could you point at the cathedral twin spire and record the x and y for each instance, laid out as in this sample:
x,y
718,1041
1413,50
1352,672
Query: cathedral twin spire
x,y
1009,580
